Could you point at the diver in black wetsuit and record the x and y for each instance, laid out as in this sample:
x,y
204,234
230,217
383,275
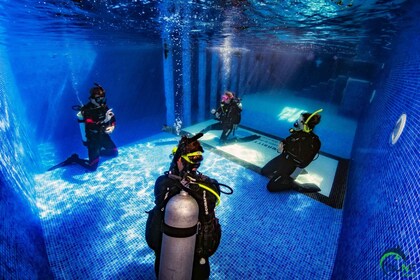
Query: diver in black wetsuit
x,y
228,114
99,123
297,150
183,175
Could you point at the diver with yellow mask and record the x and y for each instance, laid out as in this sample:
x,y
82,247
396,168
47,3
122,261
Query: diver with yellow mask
x,y
183,176
298,150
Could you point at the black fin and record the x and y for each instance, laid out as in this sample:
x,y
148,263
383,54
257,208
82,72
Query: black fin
x,y
68,161
306,188
243,139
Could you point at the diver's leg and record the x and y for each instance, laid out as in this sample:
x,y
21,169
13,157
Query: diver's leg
x,y
94,149
271,167
278,165
227,129
281,179
223,136
280,183
201,269
110,149
235,126
215,126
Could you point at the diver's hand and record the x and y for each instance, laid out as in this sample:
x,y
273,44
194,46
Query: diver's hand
x,y
109,129
280,148
213,111
108,116
191,176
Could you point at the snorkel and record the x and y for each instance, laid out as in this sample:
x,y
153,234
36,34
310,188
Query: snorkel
x,y
305,127
305,124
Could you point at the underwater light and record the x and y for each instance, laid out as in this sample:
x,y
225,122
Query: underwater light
x,y
290,114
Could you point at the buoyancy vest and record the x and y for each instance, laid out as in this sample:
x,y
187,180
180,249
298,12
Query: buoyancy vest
x,y
302,147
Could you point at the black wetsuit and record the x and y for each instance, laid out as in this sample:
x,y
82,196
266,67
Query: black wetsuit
x,y
299,150
167,187
98,142
229,115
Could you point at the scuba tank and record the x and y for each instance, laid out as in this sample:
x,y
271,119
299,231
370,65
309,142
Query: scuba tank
x,y
81,122
179,237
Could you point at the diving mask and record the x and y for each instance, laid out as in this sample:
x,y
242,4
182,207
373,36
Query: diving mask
x,y
193,160
100,99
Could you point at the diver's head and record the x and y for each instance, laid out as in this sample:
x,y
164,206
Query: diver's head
x,y
308,121
97,95
187,156
227,97
298,125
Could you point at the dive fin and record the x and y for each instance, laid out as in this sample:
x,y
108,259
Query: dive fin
x,y
303,172
243,139
280,183
248,138
306,188
72,159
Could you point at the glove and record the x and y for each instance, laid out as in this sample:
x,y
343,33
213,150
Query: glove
x,y
109,129
108,116
280,148
213,111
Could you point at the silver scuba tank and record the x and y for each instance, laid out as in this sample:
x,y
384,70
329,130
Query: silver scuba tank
x,y
81,122
178,238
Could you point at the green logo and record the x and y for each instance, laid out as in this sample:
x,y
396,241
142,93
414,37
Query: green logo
x,y
394,261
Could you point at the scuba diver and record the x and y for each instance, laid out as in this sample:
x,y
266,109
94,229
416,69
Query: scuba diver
x,y
296,151
184,176
97,122
228,114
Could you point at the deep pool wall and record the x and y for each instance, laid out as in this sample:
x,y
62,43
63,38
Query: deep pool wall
x,y
382,206
53,77
38,86
22,248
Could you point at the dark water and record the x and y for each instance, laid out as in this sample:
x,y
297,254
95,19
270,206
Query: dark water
x,y
258,45
337,27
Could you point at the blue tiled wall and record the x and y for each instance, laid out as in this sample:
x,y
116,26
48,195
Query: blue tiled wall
x,y
382,205
22,248
67,76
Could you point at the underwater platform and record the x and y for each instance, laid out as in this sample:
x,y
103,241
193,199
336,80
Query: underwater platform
x,y
253,149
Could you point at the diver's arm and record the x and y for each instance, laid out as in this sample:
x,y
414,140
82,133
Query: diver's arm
x,y
164,187
109,121
280,148
238,105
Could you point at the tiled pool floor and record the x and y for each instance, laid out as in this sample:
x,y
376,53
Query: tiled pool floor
x,y
94,222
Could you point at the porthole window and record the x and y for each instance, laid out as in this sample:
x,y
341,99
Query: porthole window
x,y
398,129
